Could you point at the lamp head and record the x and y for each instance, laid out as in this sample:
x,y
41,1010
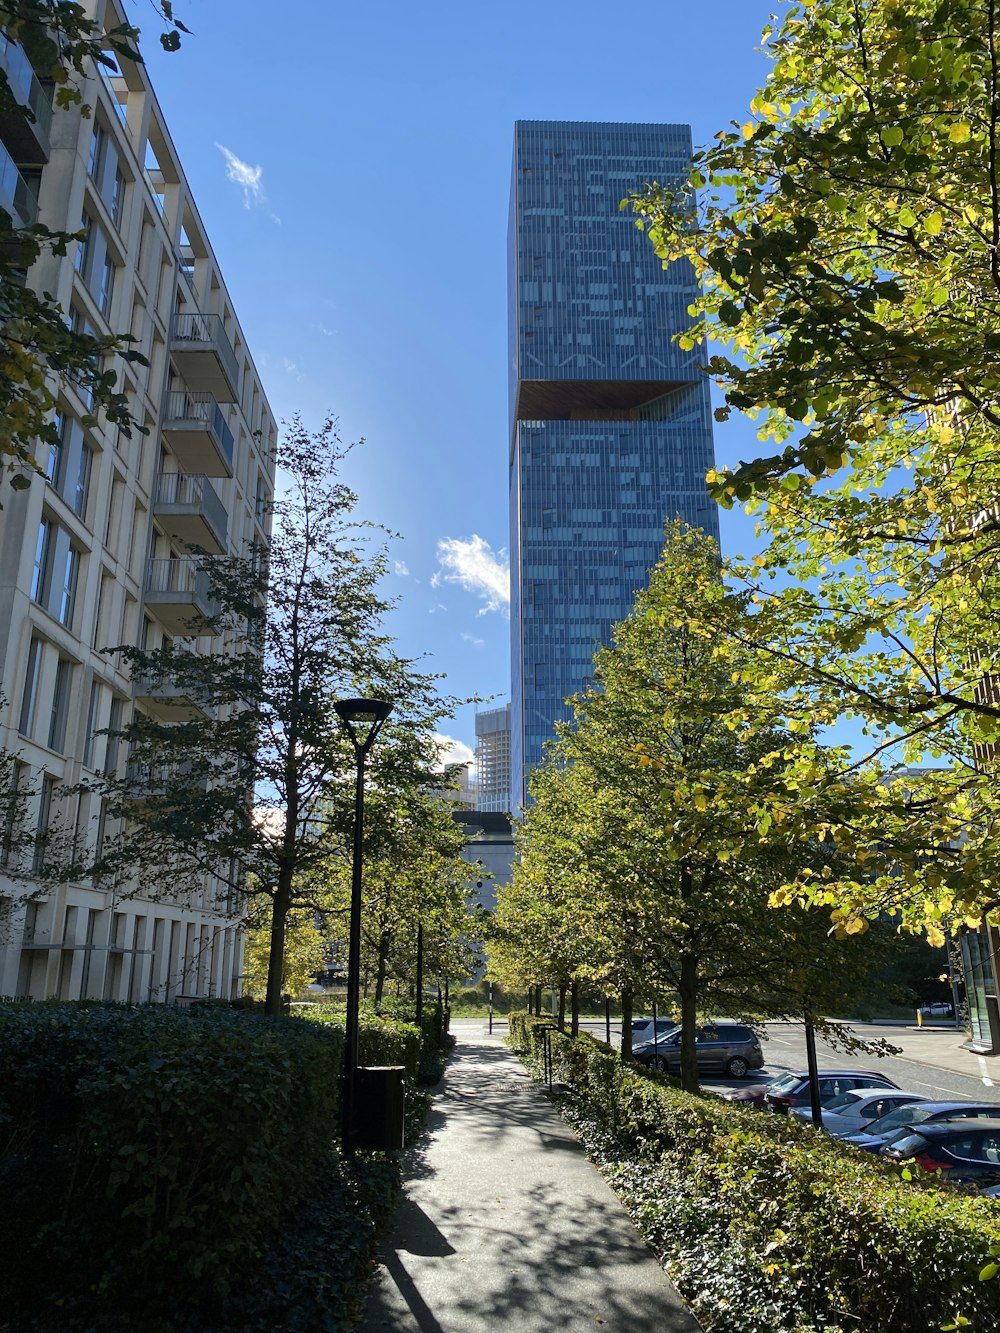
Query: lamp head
x,y
362,719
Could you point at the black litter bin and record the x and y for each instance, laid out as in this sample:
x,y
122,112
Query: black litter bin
x,y
378,1116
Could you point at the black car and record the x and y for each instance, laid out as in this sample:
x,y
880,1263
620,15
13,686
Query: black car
x,y
732,1048
793,1089
966,1152
887,1127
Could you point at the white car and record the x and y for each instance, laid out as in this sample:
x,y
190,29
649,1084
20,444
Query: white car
x,y
939,1009
852,1112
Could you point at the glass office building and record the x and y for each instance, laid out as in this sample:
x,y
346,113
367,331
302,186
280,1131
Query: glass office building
x,y
611,426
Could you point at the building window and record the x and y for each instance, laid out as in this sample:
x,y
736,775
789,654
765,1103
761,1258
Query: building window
x,y
32,680
56,573
98,147
84,245
43,827
118,200
13,812
70,464
105,292
60,705
114,736
93,714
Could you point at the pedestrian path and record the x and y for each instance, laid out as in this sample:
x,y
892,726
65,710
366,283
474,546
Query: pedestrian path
x,y
505,1224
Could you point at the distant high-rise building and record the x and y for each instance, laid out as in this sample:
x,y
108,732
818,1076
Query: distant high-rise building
x,y
611,428
493,759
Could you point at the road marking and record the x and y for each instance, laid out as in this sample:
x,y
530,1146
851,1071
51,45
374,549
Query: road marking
x,y
982,1069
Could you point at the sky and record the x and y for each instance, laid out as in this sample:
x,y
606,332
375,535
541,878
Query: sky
x,y
352,169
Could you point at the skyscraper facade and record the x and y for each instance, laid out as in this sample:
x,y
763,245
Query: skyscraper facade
x,y
611,427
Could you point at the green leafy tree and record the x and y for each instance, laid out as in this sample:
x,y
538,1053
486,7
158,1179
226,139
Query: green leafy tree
x,y
305,951
256,789
686,815
846,239
37,347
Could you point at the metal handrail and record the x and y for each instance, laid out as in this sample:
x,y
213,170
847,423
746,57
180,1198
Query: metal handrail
x,y
208,331
184,405
191,490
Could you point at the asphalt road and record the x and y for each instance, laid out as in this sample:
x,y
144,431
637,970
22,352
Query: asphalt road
x,y
924,1066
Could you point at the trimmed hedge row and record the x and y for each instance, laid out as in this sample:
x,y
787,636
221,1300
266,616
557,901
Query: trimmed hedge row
x,y
147,1154
849,1239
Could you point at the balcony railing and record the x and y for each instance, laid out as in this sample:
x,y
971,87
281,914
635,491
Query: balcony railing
x,y
204,355
16,195
178,594
198,434
28,137
188,508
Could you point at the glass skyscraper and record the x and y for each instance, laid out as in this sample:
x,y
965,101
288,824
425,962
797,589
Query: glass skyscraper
x,y
611,426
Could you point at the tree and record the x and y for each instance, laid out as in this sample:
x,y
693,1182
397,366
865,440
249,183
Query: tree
x,y
36,345
847,242
255,789
685,815
305,951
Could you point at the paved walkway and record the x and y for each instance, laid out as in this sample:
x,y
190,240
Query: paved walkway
x,y
505,1224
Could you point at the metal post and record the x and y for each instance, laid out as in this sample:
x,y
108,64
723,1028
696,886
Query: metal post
x,y
656,1041
354,963
817,1110
491,1008
607,1019
420,976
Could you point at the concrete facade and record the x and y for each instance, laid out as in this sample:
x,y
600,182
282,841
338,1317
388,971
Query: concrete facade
x,y
98,552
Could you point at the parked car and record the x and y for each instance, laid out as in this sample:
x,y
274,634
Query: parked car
x,y
939,1009
791,1090
966,1152
732,1047
642,1029
854,1110
925,1112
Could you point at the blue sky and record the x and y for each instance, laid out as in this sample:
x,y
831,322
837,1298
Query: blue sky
x,y
352,168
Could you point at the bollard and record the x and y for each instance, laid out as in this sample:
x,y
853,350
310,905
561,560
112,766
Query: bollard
x,y
920,1018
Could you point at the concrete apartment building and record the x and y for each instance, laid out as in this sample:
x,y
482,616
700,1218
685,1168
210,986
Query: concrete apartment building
x,y
99,552
493,759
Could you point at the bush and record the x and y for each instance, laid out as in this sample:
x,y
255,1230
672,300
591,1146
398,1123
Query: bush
x,y
832,1237
173,1141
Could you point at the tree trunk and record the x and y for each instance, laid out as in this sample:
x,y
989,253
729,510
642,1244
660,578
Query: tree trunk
x,y
688,992
562,1008
574,1009
276,955
384,943
626,1022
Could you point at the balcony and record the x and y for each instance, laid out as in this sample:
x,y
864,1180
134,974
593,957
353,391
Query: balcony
x,y
204,356
195,429
169,702
188,509
177,593
27,138
16,195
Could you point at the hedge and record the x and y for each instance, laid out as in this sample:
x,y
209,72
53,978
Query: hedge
x,y
843,1236
147,1154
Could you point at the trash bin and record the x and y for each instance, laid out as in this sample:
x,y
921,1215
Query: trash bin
x,y
378,1122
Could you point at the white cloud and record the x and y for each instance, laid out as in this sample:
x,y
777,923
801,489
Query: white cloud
x,y
473,565
471,638
451,751
438,606
401,568
248,178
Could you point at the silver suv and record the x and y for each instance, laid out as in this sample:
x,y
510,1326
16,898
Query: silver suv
x,y
730,1048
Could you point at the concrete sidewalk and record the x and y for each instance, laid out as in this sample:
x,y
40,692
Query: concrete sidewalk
x,y
505,1224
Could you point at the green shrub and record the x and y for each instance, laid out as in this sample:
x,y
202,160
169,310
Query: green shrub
x,y
172,1141
835,1238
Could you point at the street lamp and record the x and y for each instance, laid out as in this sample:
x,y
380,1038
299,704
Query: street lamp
x,y
362,720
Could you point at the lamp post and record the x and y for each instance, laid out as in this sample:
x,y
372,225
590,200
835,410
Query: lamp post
x,y
362,719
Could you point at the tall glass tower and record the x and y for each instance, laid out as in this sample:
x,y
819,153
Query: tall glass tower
x,y
611,427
